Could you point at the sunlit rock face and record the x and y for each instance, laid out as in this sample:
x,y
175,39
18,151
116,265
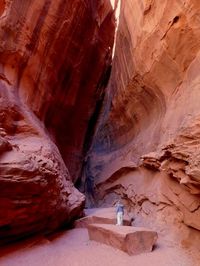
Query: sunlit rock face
x,y
147,147
54,59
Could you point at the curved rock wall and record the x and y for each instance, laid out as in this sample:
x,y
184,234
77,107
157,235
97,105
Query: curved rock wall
x,y
54,58
148,140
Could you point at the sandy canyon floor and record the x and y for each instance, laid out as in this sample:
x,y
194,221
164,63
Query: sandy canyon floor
x,y
73,248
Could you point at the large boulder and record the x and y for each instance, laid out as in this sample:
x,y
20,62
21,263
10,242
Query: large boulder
x,y
131,240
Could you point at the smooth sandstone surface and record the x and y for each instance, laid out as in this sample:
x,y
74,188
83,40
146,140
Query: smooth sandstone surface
x,y
142,132
47,99
129,239
147,147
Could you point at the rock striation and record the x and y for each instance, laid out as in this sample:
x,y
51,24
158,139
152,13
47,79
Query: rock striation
x,y
147,146
49,100
46,56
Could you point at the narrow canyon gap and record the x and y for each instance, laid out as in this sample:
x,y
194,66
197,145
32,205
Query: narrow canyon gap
x,y
135,138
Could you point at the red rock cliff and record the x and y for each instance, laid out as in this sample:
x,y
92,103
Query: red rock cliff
x,y
147,147
54,58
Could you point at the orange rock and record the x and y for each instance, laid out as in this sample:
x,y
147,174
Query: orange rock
x,y
152,117
131,240
48,95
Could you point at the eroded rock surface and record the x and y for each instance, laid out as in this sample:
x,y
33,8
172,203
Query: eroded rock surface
x,y
147,147
48,95
47,53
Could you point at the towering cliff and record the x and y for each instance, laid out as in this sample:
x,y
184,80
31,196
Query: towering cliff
x,y
54,62
147,147
138,138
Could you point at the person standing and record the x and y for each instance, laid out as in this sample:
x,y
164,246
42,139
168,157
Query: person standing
x,y
120,213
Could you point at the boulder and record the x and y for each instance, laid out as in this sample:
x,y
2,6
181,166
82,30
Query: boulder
x,y
132,240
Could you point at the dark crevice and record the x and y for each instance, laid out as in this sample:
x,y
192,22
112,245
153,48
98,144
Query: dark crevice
x,y
175,20
85,182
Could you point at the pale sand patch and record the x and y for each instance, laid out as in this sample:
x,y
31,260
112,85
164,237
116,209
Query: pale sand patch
x,y
73,248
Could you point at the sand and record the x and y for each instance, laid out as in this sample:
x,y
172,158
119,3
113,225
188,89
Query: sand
x,y
73,248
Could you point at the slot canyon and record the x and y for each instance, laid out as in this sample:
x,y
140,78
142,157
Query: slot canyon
x,y
99,102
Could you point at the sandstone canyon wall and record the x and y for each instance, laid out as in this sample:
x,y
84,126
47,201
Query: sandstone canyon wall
x,y
55,58
147,148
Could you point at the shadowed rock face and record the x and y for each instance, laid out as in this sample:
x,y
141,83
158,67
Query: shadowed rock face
x,y
54,60
147,146
47,56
